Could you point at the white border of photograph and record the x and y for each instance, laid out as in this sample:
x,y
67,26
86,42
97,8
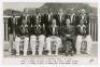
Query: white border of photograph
x,y
45,65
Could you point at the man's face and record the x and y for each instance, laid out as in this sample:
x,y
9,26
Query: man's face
x,y
53,22
24,21
81,22
60,11
72,10
67,22
51,13
83,11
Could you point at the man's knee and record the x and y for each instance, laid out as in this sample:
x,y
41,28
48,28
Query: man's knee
x,y
41,38
59,40
26,39
88,38
79,37
33,38
17,39
48,39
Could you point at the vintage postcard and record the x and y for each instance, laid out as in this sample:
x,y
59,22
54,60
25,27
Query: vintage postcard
x,y
50,33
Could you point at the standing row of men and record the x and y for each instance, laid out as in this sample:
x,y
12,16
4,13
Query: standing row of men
x,y
65,31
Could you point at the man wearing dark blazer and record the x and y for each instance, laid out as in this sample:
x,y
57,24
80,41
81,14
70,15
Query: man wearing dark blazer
x,y
61,17
72,16
68,34
37,37
22,33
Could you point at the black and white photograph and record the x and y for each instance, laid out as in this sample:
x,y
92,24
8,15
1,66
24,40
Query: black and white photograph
x,y
50,33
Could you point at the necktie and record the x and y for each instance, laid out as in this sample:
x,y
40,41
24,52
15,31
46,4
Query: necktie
x,y
60,17
23,29
49,17
71,18
53,30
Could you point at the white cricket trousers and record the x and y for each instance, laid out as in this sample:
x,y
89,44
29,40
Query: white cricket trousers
x,y
37,41
18,43
49,41
33,44
79,40
41,44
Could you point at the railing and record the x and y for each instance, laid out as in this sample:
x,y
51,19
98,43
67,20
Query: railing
x,y
93,27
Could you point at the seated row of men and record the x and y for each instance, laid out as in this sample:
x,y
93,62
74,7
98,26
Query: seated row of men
x,y
68,37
